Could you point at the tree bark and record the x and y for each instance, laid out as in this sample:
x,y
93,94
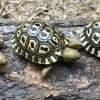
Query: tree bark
x,y
20,79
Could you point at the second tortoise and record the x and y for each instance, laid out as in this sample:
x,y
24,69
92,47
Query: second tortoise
x,y
91,38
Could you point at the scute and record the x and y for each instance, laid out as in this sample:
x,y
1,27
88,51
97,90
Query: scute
x,y
38,42
44,49
91,38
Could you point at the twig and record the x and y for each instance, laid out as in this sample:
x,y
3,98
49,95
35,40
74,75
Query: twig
x,y
3,7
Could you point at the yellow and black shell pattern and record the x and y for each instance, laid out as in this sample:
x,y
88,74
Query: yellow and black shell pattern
x,y
38,42
91,38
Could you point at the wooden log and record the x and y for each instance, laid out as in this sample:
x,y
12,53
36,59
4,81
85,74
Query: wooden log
x,y
79,80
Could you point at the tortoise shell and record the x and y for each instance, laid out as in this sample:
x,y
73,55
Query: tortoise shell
x,y
91,38
38,42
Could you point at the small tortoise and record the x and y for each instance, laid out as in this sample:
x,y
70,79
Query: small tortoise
x,y
3,58
91,38
43,43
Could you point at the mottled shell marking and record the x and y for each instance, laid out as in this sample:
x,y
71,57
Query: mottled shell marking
x,y
91,38
38,42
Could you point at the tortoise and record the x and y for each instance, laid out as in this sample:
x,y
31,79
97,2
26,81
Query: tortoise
x,y
3,58
43,43
90,38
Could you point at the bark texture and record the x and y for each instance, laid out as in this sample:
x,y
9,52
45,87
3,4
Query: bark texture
x,y
20,79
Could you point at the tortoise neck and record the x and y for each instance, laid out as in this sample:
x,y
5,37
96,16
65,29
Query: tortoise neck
x,y
66,40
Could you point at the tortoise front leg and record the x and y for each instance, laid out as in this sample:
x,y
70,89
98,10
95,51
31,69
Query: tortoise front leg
x,y
45,71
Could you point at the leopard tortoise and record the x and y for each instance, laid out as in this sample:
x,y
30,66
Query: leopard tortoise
x,y
90,38
43,43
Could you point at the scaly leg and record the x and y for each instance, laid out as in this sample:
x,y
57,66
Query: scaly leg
x,y
45,71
